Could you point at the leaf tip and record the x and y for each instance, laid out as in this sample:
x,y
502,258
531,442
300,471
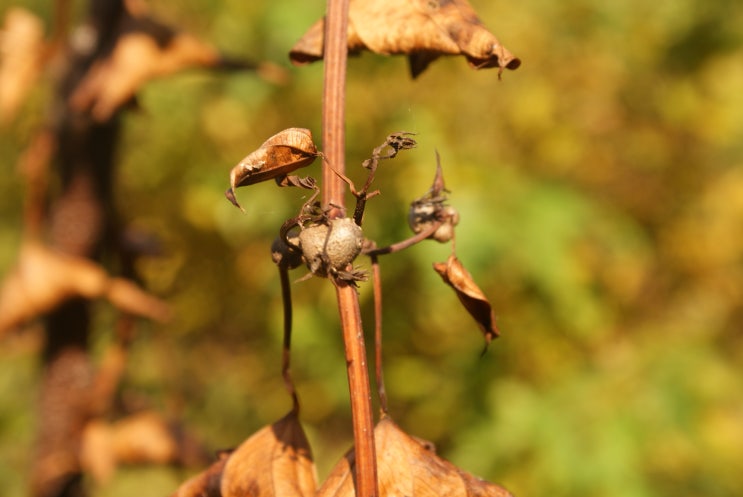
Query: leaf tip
x,y
230,194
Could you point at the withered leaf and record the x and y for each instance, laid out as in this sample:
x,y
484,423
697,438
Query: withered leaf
x,y
97,456
144,49
140,438
405,466
421,29
206,483
21,50
43,279
278,156
274,462
144,437
473,299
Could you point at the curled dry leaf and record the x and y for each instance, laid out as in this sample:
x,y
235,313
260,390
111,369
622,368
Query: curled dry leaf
x,y
145,437
140,438
473,299
405,466
274,462
145,49
278,156
421,29
21,51
43,279
97,456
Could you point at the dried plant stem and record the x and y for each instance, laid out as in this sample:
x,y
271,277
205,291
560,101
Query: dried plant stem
x,y
334,101
408,242
379,376
286,352
358,381
333,189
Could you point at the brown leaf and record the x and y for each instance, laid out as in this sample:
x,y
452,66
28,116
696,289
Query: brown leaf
x,y
274,462
43,279
278,156
140,438
97,456
473,299
144,437
205,484
21,51
144,49
421,29
407,467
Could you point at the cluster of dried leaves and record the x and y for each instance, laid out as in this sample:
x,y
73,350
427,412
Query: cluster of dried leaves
x,y
430,216
96,74
277,461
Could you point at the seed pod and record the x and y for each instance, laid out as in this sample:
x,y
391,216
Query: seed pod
x,y
422,215
331,247
445,232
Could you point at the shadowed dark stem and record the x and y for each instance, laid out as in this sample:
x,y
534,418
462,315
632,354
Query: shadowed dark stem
x,y
333,189
286,297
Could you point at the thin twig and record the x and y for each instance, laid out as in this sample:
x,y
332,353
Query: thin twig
x,y
379,376
409,242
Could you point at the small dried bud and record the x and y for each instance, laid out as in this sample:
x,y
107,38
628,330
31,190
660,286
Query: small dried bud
x,y
285,255
450,217
331,247
422,215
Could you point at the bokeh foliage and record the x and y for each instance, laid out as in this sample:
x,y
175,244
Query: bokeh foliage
x,y
601,193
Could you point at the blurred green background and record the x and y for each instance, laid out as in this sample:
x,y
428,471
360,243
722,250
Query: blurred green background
x,y
600,188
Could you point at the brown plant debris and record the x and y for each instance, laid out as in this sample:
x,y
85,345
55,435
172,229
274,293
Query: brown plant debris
x,y
431,208
278,156
21,53
405,466
207,483
43,279
472,298
276,461
144,49
140,438
421,29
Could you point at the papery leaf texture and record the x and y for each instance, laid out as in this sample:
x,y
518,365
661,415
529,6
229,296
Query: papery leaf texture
x,y
470,295
422,29
283,153
408,467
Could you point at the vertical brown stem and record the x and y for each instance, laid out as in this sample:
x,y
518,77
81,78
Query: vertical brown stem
x,y
379,376
334,101
333,189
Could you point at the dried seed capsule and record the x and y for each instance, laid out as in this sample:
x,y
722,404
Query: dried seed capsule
x,y
422,216
331,247
445,232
